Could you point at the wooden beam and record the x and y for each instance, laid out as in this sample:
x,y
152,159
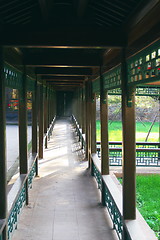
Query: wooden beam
x,y
63,71
64,82
63,37
146,28
61,60
66,85
68,89
144,8
63,78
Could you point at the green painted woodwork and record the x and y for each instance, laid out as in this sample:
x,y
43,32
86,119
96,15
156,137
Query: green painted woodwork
x,y
144,66
140,91
112,78
1,237
31,175
13,78
109,202
16,210
146,154
30,84
148,91
96,86
20,201
113,212
97,176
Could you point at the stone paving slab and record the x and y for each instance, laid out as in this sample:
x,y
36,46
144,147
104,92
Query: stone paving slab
x,y
64,200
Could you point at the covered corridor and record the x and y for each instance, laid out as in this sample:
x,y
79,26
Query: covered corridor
x,y
64,201
56,58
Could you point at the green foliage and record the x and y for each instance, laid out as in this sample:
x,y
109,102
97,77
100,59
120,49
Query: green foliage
x,y
114,99
115,131
145,102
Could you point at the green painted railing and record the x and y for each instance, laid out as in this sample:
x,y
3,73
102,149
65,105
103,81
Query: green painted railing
x,y
16,210
79,133
147,154
97,175
18,196
49,132
32,174
113,211
109,202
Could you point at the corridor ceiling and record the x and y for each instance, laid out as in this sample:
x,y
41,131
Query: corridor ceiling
x,y
65,41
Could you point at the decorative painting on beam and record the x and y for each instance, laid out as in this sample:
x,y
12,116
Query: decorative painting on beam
x,y
144,67
140,91
112,78
96,85
13,77
148,91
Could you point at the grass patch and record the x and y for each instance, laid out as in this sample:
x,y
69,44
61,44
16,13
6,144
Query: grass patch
x,y
115,131
148,200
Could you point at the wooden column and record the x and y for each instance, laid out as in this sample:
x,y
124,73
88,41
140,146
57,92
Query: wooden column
x,y
23,143
83,112
80,108
89,113
48,106
46,110
93,129
23,149
128,146
104,128
87,119
46,115
51,107
93,124
3,167
41,122
34,119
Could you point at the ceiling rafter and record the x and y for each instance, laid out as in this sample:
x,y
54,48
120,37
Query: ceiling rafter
x,y
106,13
20,11
110,9
44,10
81,8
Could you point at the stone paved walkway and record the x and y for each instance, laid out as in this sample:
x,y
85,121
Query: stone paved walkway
x,y
64,200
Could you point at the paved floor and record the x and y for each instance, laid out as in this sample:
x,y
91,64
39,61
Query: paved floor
x,y
64,200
